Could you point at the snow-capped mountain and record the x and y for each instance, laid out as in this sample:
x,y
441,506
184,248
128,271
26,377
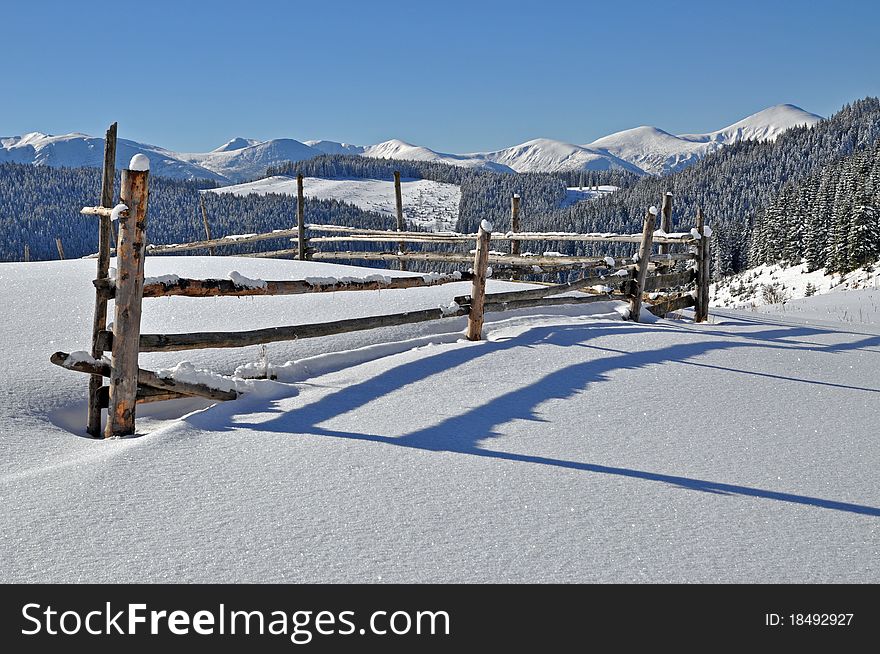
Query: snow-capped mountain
x,y
642,150
397,149
549,156
250,161
334,147
657,152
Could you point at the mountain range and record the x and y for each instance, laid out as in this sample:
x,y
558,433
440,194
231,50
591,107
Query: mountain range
x,y
642,150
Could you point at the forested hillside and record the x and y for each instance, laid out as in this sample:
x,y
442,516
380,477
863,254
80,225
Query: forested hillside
x,y
830,220
38,204
732,186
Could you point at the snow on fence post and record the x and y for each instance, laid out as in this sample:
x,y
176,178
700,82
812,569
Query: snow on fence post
x,y
99,321
666,221
701,309
211,250
302,250
401,226
644,260
129,295
514,223
478,289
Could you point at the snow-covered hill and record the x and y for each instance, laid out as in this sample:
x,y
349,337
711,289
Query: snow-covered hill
x,y
658,152
544,453
640,150
428,204
778,286
397,149
549,156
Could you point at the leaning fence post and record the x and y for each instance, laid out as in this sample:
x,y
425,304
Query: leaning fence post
x,y
401,226
514,223
129,295
302,249
99,321
211,250
478,288
635,300
60,247
666,221
701,308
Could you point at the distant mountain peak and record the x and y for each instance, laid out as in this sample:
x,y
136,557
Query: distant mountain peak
x,y
238,143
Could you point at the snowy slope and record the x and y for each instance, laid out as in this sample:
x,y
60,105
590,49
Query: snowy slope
x,y
76,150
426,203
251,161
411,455
659,152
755,287
397,149
547,155
334,147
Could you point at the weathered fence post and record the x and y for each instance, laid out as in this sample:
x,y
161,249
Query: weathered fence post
x,y
401,226
514,222
478,288
666,221
302,248
635,300
129,295
99,322
27,253
205,221
701,308
60,247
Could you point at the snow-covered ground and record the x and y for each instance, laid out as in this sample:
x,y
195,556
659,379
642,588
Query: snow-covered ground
x,y
427,204
569,445
775,285
574,194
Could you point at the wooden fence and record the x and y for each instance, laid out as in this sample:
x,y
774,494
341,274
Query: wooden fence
x,y
636,279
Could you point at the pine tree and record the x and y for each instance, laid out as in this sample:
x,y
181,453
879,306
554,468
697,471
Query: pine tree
x,y
863,238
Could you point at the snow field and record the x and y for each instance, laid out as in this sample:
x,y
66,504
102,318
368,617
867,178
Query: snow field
x,y
567,446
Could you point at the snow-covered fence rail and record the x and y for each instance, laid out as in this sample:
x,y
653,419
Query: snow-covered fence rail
x,y
635,279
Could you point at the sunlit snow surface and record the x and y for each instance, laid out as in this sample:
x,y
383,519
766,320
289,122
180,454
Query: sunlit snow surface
x,y
427,204
564,447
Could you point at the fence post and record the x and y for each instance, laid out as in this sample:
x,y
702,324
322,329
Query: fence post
x,y
401,226
99,321
635,300
205,221
60,247
701,310
478,288
302,249
666,221
514,223
27,253
129,295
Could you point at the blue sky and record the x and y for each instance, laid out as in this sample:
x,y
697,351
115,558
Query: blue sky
x,y
455,76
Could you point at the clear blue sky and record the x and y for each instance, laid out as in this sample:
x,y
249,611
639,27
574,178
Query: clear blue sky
x,y
455,76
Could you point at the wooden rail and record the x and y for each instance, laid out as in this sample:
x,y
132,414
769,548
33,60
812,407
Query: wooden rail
x,y
227,287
